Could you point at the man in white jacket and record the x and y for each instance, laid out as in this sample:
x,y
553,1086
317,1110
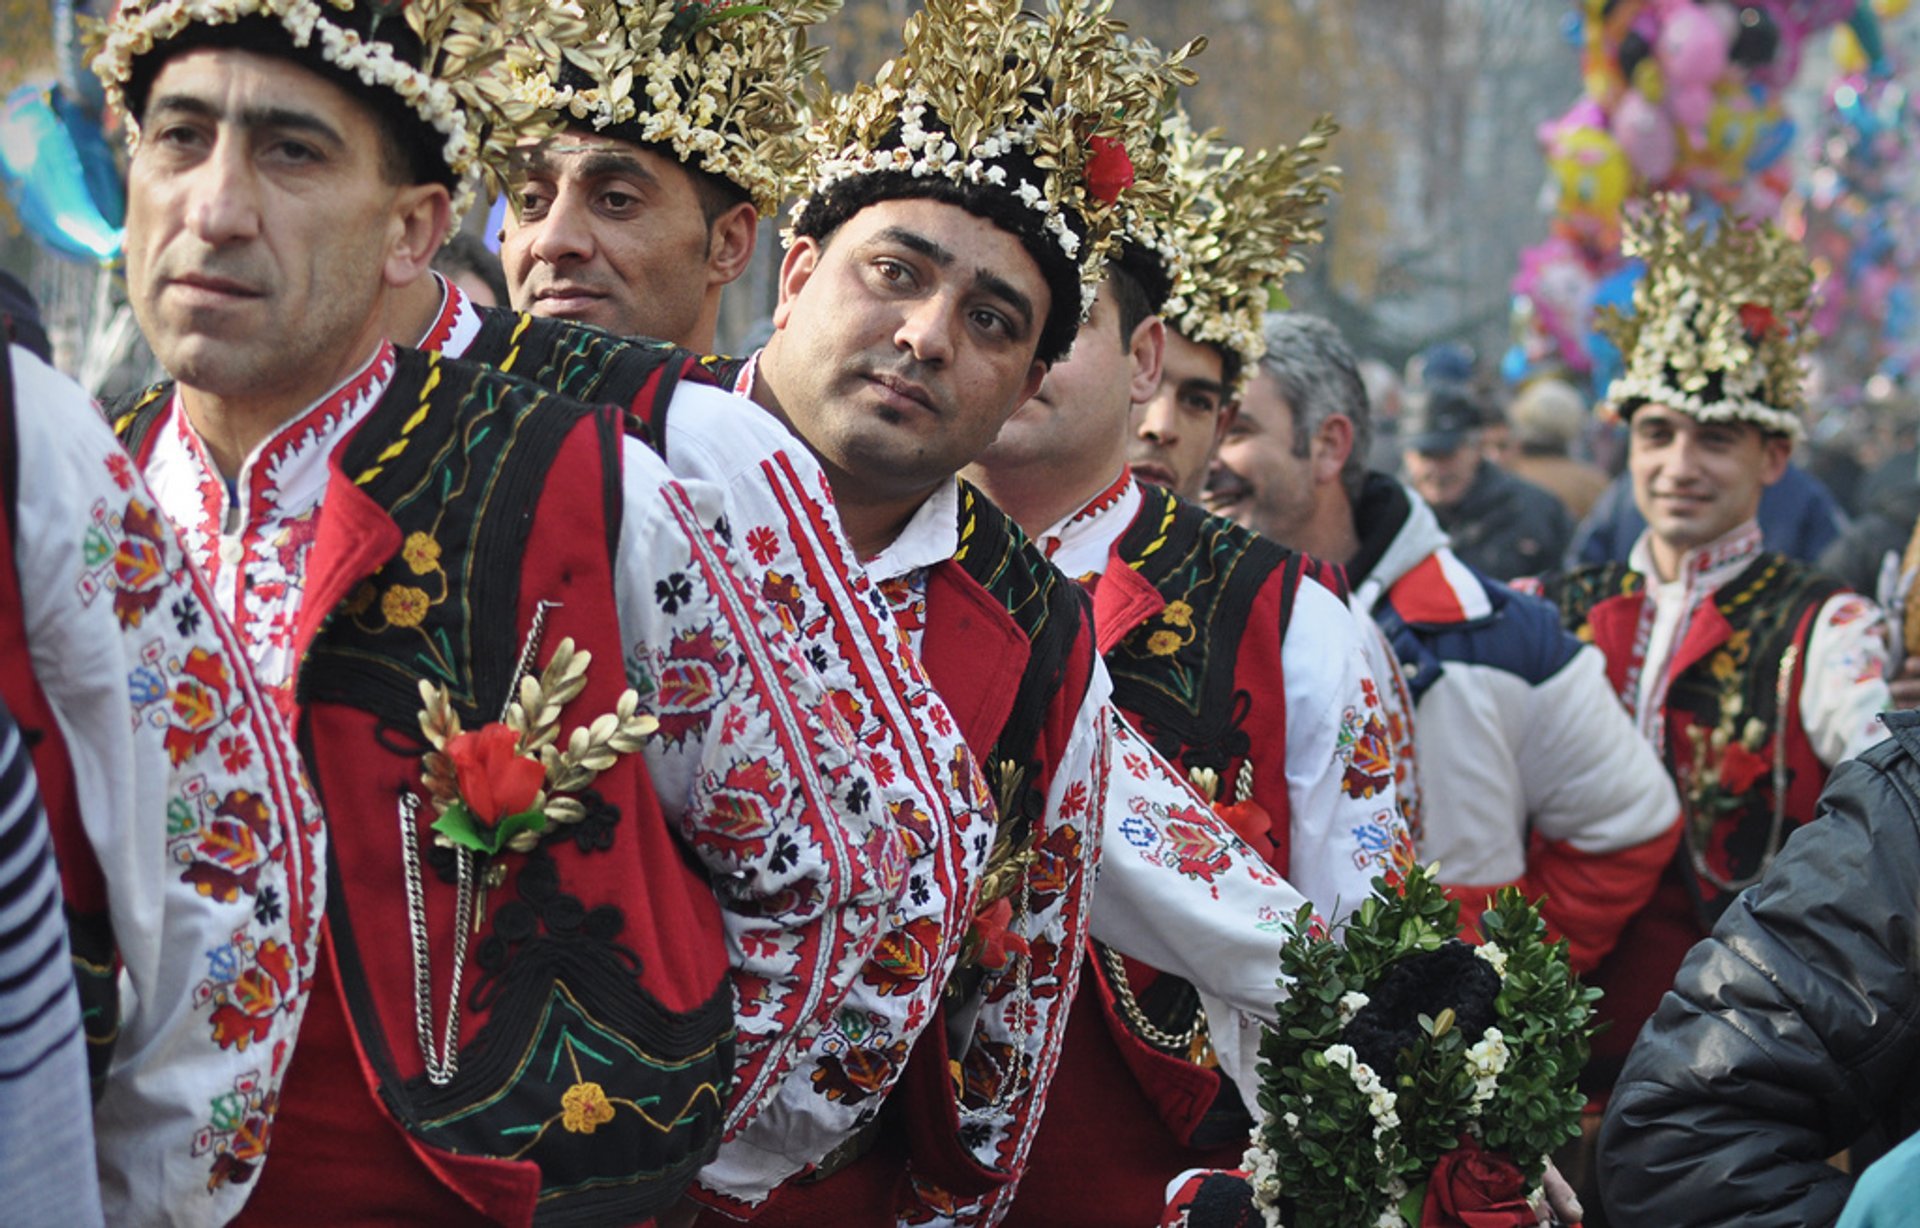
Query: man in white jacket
x,y
1530,772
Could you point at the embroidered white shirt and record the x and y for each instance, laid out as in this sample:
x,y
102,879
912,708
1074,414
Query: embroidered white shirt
x,y
210,846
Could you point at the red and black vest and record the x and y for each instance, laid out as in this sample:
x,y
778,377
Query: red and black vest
x,y
83,887
598,972
1738,669
587,364
1191,613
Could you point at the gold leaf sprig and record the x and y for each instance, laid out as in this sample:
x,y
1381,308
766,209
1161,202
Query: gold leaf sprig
x,y
535,718
1242,222
1009,861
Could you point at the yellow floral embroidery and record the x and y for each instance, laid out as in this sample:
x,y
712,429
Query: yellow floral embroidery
x,y
1164,643
360,602
584,1108
1177,614
404,605
422,554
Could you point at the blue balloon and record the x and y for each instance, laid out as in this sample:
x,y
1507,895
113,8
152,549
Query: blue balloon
x,y
52,171
1513,365
1614,290
1770,144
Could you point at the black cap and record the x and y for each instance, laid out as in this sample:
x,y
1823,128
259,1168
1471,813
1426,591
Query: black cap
x,y
1440,421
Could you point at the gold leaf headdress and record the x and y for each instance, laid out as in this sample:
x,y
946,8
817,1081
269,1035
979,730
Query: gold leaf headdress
x,y
719,83
1241,222
1058,110
1719,320
446,60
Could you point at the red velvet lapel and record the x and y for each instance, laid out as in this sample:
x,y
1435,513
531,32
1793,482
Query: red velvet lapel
x,y
1123,600
974,652
1614,623
354,537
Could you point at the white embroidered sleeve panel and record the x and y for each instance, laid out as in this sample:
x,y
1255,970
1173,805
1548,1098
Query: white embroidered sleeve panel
x,y
788,543
211,849
1844,689
759,770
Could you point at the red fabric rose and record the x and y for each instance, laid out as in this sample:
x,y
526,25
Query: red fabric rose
x,y
1249,820
1473,1188
998,945
1109,170
1740,768
1758,320
494,782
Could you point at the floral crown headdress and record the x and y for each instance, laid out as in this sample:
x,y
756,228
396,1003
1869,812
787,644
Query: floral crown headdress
x,y
719,83
1057,109
1719,320
1241,221
446,61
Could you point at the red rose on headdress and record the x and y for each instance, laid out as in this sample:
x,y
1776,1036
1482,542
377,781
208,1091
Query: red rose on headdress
x,y
1109,170
1473,1188
494,782
1758,320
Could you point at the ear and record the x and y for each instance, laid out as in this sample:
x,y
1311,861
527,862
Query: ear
x,y
1778,450
1222,424
1146,358
730,243
796,269
1332,445
1036,374
422,216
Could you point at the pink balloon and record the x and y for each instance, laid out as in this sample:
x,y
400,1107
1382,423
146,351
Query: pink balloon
x,y
1693,47
1646,136
1692,106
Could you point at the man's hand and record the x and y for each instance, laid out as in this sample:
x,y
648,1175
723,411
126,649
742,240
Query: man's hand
x,y
1560,1206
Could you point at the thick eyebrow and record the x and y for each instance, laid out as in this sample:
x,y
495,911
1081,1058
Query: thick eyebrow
x,y
1204,385
596,162
983,279
251,118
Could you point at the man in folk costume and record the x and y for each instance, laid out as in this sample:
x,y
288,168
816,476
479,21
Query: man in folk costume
x,y
190,851
1244,673
1749,673
530,703
1531,774
678,151
935,274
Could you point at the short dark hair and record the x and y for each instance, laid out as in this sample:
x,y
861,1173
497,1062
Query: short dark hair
x,y
1132,300
409,146
467,253
1317,376
835,206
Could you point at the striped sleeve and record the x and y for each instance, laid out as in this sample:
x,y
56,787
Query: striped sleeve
x,y
46,1113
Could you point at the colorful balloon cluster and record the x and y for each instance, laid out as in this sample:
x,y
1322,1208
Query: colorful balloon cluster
x,y
1862,228
55,162
1680,95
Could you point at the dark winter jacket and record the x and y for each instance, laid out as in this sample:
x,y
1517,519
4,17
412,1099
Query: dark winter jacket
x,y
1505,526
1790,1031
